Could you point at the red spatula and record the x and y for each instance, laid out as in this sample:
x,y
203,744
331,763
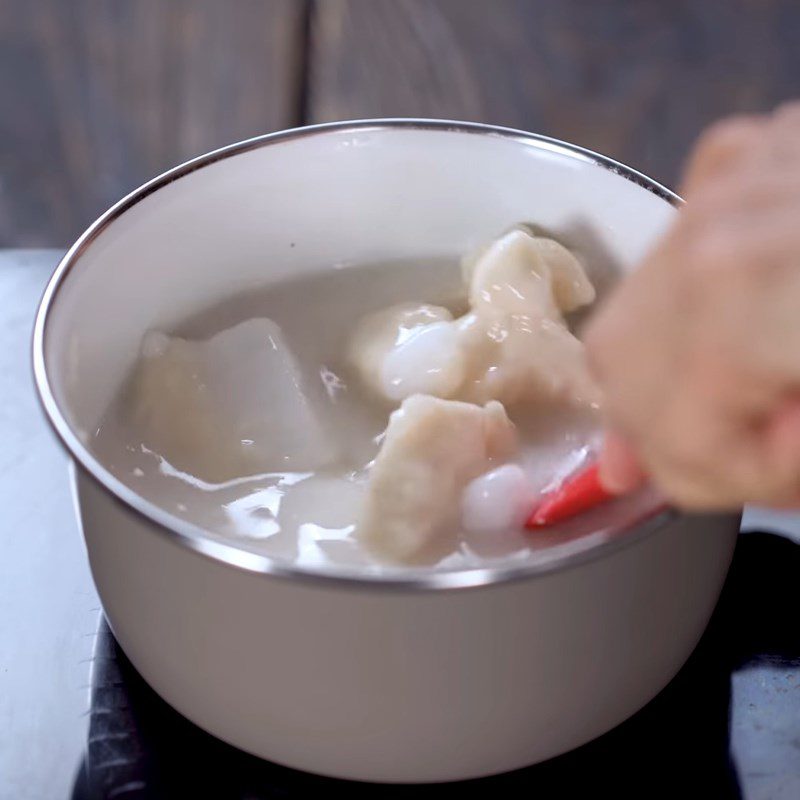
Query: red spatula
x,y
578,493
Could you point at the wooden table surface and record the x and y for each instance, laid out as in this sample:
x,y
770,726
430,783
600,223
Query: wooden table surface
x,y
99,95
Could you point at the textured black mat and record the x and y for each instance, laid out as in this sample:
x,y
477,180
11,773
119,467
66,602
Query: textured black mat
x,y
696,739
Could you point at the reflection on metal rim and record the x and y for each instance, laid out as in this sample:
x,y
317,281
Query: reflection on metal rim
x,y
202,541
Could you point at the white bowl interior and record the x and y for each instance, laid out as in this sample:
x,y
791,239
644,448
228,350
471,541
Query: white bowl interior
x,y
327,199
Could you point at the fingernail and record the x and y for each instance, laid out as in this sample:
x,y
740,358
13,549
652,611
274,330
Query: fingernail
x,y
612,479
619,468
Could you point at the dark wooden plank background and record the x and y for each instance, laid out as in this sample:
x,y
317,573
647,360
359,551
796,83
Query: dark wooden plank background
x,y
99,95
635,80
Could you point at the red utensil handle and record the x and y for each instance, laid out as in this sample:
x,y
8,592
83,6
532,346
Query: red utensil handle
x,y
577,494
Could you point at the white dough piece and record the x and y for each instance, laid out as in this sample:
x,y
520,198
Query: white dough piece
x,y
497,500
229,406
513,345
410,348
431,450
524,274
518,344
518,359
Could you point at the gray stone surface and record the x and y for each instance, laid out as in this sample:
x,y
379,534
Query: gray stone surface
x,y
48,606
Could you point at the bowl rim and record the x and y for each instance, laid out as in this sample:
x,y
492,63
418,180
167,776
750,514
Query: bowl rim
x,y
204,542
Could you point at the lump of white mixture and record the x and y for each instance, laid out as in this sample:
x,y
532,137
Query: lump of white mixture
x,y
229,406
443,465
432,449
497,500
519,346
513,345
409,349
524,274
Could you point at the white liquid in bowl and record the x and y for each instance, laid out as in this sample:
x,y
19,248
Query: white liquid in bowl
x,y
309,517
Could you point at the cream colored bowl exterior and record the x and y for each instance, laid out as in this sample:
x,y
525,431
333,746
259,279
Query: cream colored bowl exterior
x,y
386,685
362,680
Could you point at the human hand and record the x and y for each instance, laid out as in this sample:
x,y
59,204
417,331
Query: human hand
x,y
698,352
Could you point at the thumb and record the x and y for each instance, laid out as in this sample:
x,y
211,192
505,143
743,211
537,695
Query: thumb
x,y
621,470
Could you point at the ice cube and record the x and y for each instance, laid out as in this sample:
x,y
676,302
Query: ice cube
x,y
229,406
